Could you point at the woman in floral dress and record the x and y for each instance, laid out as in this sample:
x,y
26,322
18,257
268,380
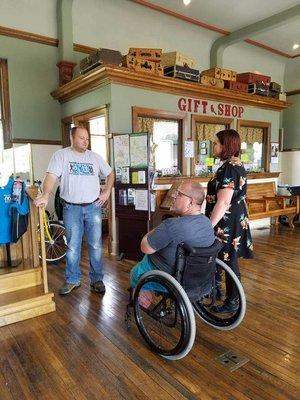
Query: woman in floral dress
x,y
226,208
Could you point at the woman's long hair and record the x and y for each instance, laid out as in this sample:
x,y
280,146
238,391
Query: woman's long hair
x,y
231,143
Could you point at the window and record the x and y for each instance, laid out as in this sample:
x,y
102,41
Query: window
x,y
204,131
167,129
5,123
255,138
98,136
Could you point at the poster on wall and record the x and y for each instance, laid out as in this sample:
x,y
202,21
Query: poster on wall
x,y
121,150
188,149
138,150
274,152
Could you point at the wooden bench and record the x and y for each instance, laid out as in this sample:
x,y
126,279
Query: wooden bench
x,y
263,202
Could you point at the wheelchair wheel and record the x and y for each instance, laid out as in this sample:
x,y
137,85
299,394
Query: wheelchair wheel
x,y
56,245
204,307
164,315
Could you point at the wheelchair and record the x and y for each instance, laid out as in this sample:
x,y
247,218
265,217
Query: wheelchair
x,y
164,306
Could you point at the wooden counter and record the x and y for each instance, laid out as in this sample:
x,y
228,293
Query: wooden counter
x,y
169,180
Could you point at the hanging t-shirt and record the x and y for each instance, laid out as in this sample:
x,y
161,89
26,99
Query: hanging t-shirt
x,y
6,205
5,218
78,174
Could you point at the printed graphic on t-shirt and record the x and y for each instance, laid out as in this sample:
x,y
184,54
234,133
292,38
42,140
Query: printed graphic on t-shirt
x,y
76,168
7,198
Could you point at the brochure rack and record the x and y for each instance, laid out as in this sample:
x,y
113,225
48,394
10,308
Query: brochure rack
x,y
134,198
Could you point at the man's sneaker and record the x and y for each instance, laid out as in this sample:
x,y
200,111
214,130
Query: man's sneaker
x,y
98,287
229,306
67,288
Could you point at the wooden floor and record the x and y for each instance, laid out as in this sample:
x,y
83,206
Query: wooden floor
x,y
83,350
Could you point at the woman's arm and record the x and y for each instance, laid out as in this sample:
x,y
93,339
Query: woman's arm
x,y
224,197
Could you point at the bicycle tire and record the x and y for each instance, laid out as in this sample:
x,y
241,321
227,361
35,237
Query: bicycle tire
x,y
56,247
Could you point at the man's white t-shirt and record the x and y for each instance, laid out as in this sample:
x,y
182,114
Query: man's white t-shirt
x,y
79,174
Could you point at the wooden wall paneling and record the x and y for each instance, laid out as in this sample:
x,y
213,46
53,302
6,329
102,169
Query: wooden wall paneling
x,y
34,222
5,103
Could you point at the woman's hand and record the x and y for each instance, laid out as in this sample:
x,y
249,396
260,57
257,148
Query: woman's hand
x,y
222,205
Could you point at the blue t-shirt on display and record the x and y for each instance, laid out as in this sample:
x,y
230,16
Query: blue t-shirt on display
x,y
195,230
5,211
5,218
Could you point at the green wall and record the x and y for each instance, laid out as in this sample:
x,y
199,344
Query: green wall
x,y
96,98
32,76
123,98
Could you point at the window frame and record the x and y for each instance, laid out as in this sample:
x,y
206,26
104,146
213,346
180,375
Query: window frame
x,y
228,122
181,118
5,104
266,152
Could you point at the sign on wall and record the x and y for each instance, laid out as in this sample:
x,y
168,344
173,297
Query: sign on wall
x,y
207,107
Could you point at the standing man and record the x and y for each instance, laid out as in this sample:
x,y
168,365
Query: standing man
x,y
78,170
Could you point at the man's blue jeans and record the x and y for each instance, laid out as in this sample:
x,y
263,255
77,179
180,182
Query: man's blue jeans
x,y
79,220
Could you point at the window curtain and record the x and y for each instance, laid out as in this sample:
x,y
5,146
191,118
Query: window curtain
x,y
251,135
146,124
207,131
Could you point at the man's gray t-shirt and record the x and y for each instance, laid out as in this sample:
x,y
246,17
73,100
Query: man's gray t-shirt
x,y
195,230
78,174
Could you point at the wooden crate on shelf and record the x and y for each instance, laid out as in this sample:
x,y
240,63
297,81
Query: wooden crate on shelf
x,y
176,58
220,73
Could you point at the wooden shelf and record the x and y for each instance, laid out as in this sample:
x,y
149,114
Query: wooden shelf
x,y
21,279
108,74
24,304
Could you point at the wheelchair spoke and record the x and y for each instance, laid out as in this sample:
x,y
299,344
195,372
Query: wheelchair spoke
x,y
160,318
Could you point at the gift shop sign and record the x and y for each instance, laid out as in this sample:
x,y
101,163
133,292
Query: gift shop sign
x,y
206,107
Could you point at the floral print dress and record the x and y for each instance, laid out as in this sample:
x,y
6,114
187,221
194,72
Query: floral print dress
x,y
233,228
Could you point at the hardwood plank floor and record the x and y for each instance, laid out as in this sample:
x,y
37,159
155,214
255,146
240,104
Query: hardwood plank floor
x,y
83,350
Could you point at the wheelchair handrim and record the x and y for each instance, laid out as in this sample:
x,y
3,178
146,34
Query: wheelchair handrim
x,y
219,323
187,328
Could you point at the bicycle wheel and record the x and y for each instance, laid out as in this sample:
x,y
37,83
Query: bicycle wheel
x,y
56,245
164,315
204,307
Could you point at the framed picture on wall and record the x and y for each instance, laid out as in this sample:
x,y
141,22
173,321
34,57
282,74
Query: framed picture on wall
x,y
274,152
203,151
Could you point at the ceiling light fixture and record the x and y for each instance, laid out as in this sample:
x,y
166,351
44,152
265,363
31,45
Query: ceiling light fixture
x,y
186,2
296,46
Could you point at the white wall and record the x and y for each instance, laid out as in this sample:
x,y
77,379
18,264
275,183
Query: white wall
x,y
290,173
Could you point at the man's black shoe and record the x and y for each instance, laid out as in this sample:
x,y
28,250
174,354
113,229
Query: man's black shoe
x,y
98,287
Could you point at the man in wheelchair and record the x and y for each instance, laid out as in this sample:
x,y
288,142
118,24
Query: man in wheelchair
x,y
160,244
176,279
